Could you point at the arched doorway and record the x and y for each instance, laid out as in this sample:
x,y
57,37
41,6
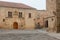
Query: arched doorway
x,y
46,23
15,25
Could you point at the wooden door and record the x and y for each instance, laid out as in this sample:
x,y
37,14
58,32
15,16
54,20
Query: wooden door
x,y
15,25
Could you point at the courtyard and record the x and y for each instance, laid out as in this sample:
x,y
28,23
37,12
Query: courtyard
x,y
25,35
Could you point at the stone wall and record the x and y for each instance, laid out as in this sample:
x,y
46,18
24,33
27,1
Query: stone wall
x,y
49,15
28,23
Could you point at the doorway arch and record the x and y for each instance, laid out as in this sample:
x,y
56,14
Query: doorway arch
x,y
15,25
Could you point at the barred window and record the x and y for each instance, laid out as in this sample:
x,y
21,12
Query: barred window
x,y
20,14
10,14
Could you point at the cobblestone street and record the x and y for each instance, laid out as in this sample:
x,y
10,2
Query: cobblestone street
x,y
24,35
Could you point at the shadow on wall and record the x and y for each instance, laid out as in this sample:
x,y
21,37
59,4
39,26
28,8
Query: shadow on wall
x,y
38,26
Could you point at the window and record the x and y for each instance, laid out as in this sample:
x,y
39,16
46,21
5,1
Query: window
x,y
21,25
20,14
52,19
10,14
29,15
3,20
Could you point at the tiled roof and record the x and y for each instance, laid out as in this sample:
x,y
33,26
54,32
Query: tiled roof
x,y
15,5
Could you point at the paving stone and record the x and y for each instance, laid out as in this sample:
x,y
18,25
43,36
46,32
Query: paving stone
x,y
24,35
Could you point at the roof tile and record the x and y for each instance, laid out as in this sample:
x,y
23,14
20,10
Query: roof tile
x,y
17,5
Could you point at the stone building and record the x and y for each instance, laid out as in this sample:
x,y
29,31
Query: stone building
x,y
17,16
51,19
21,16
51,16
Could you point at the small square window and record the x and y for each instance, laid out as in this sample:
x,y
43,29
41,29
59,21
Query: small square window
x,y
3,20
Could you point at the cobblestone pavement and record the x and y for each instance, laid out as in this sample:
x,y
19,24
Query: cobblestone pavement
x,y
24,35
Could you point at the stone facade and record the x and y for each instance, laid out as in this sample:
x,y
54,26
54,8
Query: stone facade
x,y
51,16
23,23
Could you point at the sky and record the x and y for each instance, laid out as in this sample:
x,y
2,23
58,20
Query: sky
x,y
38,4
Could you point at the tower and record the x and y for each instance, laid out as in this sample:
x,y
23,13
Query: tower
x,y
51,8
53,11
58,14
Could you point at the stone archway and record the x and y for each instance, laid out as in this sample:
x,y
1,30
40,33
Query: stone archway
x,y
15,25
